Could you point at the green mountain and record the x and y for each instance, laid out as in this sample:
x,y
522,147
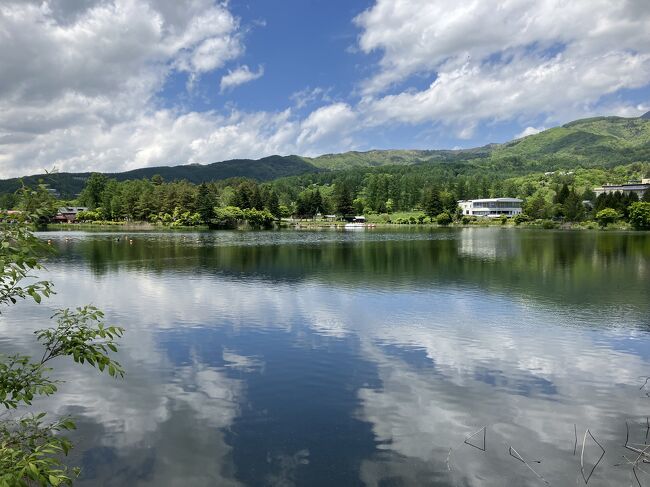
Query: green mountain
x,y
373,158
600,141
265,169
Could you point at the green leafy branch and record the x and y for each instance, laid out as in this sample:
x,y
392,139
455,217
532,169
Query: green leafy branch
x,y
30,450
20,251
80,334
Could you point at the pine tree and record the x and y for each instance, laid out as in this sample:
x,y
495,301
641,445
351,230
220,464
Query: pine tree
x,y
205,203
573,208
431,202
562,195
343,200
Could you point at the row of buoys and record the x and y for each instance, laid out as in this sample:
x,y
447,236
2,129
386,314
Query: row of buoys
x,y
126,237
67,239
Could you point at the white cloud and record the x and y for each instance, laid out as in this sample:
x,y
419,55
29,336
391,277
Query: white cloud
x,y
80,80
333,120
79,84
502,60
308,96
239,76
529,131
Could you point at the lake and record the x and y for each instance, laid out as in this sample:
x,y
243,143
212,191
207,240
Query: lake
x,y
446,357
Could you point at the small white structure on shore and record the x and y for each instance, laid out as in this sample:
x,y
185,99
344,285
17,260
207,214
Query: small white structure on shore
x,y
491,207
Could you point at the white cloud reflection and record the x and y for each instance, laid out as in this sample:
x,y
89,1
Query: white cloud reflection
x,y
450,360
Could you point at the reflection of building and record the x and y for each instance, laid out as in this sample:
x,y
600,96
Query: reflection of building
x,y
488,243
638,187
68,213
491,207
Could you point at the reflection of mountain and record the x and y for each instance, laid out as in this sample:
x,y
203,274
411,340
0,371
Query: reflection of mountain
x,y
580,268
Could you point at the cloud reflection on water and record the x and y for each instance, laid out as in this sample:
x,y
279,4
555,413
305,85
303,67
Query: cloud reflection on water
x,y
448,358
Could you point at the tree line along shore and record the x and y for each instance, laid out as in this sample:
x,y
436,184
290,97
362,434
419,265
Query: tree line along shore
x,y
426,194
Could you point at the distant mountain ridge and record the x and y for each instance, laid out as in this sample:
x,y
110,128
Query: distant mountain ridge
x,y
598,141
265,169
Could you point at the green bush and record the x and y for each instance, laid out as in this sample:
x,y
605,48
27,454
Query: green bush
x,y
88,216
521,218
606,216
258,218
639,214
227,217
444,218
549,224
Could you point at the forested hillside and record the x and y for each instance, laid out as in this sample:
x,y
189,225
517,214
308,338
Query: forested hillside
x,y
606,141
602,142
68,185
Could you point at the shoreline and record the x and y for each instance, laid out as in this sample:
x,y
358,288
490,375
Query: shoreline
x,y
313,224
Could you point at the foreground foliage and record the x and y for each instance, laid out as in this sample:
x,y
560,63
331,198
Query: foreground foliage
x,y
32,448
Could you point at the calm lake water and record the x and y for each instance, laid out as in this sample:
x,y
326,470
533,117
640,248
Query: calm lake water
x,y
356,358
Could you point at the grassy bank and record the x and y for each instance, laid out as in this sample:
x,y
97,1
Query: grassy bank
x,y
401,219
103,225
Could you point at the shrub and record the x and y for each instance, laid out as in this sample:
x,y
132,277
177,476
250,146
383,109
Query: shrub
x,y
88,215
549,224
258,218
444,218
639,214
606,216
521,218
227,217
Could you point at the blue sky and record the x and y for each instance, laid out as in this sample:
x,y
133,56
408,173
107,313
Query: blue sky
x,y
113,85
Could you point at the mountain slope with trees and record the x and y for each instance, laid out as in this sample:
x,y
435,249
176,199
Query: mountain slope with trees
x,y
607,141
601,142
68,185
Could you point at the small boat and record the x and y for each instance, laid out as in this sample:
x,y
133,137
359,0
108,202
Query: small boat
x,y
356,223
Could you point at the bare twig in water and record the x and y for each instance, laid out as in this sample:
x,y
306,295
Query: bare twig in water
x,y
582,456
643,454
484,447
636,477
465,441
515,454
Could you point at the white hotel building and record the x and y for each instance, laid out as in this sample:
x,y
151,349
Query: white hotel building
x,y
638,187
491,207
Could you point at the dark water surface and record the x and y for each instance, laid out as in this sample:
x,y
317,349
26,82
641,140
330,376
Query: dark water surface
x,y
355,358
